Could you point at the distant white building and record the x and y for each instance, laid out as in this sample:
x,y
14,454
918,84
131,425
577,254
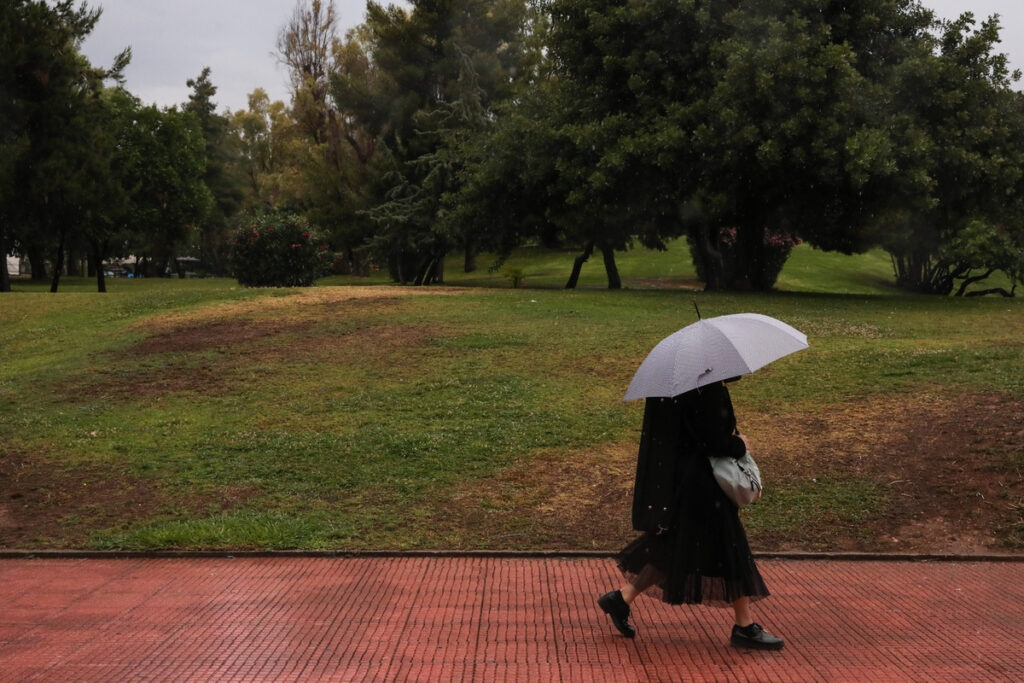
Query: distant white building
x,y
12,265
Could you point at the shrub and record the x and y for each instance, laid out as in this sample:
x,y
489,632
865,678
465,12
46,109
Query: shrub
x,y
516,275
278,250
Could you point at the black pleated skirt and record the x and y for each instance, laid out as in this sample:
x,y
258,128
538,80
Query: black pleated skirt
x,y
704,557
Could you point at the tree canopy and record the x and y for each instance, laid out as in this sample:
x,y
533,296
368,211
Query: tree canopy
x,y
750,127
88,166
446,126
956,132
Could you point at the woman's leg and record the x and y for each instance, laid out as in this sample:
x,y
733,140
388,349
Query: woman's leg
x,y
644,580
742,609
616,603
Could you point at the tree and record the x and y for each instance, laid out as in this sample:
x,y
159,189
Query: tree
x,y
52,114
508,183
626,81
169,199
223,176
980,249
38,68
430,77
305,47
746,126
15,65
956,138
338,167
790,143
105,192
271,153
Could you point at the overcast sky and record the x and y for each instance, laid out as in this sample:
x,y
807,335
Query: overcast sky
x,y
172,40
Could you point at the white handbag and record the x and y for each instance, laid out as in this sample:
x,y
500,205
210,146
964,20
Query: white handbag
x,y
740,478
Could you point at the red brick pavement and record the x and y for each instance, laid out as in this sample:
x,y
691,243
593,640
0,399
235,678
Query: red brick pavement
x,y
493,619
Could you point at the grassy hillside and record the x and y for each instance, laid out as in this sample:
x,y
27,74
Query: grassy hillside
x,y
196,414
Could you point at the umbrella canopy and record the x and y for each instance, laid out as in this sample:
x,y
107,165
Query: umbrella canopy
x,y
713,350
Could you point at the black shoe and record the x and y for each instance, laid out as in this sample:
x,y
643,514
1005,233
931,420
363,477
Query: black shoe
x,y
615,606
755,637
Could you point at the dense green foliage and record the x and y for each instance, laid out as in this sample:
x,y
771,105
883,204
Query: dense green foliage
x,y
446,127
956,136
91,171
223,175
49,127
440,73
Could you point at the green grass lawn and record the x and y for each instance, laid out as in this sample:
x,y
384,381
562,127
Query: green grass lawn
x,y
204,415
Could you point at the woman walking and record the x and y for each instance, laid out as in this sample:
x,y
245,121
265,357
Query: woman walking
x,y
693,549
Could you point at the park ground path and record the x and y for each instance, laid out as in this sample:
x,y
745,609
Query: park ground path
x,y
493,618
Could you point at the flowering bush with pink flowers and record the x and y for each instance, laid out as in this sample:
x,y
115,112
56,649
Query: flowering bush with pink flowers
x,y
278,250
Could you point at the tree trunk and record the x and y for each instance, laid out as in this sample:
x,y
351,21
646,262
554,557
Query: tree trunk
x,y
74,268
55,282
968,281
97,264
614,281
897,267
426,272
577,265
750,261
352,263
37,262
469,262
917,272
395,268
438,278
5,277
711,262
162,266
994,290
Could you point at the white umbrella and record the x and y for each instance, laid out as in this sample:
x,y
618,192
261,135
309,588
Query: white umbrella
x,y
713,350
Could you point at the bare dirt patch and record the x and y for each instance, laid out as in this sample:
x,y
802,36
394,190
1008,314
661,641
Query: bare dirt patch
x,y
45,505
204,379
236,340
212,335
555,500
694,285
949,467
237,323
237,332
305,303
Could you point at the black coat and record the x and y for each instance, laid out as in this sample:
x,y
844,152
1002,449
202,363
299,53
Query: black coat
x,y
678,435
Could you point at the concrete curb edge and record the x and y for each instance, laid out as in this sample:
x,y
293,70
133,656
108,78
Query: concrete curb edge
x,y
494,554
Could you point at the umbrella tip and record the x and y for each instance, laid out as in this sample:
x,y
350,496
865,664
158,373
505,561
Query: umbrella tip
x,y
697,309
